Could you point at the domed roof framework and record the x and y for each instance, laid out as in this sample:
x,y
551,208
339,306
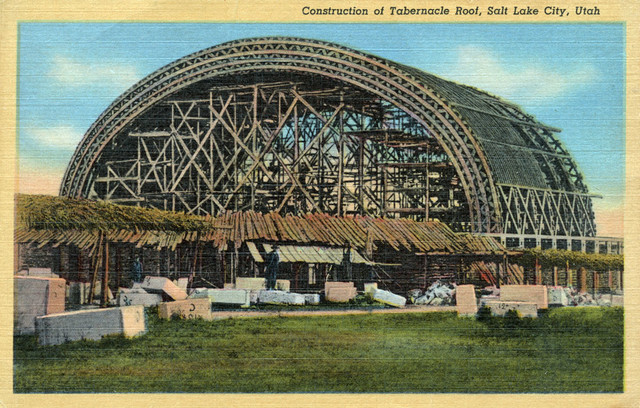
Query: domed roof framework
x,y
296,125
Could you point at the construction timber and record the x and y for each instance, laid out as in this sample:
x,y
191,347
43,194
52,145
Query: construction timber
x,y
296,126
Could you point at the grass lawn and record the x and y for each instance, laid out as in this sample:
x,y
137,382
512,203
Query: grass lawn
x,y
566,350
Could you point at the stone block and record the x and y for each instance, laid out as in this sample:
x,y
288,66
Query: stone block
x,y
41,273
278,297
183,283
329,285
556,296
525,309
90,324
186,309
253,296
389,298
132,297
617,300
237,297
340,294
163,286
370,288
525,293
283,285
603,299
311,298
34,297
466,300
251,283
487,298
229,286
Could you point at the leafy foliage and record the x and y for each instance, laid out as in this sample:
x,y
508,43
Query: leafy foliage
x,y
548,258
42,212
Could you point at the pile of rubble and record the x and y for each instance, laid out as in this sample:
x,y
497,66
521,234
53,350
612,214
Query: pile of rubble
x,y
561,296
438,294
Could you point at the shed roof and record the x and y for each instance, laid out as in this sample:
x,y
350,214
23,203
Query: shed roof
x,y
59,220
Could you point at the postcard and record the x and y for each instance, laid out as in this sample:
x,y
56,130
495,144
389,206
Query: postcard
x,y
319,203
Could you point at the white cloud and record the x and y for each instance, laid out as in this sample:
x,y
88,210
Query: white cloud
x,y
74,73
481,68
60,137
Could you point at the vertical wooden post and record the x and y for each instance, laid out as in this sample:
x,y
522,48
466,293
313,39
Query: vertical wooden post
x,y
582,280
361,175
57,262
17,259
569,280
610,280
555,276
236,263
537,278
621,280
79,262
426,203
192,272
426,270
105,276
596,282
168,260
340,161
97,263
118,266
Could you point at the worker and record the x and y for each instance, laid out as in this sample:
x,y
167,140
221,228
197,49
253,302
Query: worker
x,y
347,270
136,270
273,263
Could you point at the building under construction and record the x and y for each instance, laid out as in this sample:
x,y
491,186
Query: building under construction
x,y
359,168
297,126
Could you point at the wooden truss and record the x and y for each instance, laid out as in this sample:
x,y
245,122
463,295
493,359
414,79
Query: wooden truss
x,y
296,125
275,147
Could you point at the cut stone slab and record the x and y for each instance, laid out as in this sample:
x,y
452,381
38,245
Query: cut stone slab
x,y
603,300
163,286
279,297
466,300
253,296
40,273
283,285
370,288
388,298
312,298
556,296
261,283
487,298
35,297
132,297
251,283
500,308
340,294
183,283
329,285
617,300
237,297
90,324
525,293
229,286
186,309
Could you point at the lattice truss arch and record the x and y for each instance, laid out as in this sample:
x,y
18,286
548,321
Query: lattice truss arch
x,y
422,97
275,147
529,211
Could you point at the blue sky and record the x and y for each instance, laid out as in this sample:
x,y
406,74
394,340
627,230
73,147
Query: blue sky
x,y
570,76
